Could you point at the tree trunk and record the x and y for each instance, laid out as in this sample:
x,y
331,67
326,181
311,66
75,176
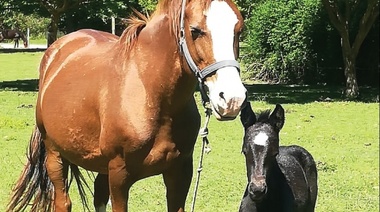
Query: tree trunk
x,y
349,58
350,51
52,29
352,88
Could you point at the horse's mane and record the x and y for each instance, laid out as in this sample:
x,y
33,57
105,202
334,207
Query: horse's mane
x,y
135,24
138,21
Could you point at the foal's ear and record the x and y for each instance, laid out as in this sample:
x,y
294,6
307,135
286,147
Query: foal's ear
x,y
277,117
247,116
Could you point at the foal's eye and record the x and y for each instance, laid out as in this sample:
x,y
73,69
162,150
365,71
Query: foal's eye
x,y
196,32
244,151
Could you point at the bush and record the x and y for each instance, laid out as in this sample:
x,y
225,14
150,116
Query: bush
x,y
278,40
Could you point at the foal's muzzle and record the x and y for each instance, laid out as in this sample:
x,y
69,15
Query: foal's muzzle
x,y
257,189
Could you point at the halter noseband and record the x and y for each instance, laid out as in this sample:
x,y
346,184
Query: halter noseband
x,y
200,74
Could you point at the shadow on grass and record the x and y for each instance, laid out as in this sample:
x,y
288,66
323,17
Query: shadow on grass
x,y
20,85
271,93
301,94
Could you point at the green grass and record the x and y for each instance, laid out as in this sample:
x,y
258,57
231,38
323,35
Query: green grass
x,y
19,66
38,41
342,136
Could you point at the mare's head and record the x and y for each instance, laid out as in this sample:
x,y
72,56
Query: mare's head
x,y
24,39
211,30
260,146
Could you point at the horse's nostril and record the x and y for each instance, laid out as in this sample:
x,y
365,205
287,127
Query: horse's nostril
x,y
256,193
258,188
221,95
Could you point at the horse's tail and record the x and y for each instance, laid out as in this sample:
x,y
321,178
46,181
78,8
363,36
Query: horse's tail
x,y
34,181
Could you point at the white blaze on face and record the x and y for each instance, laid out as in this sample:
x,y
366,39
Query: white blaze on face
x,y
221,21
261,139
227,93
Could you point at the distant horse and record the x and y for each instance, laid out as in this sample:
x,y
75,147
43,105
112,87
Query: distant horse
x,y
14,34
124,107
280,178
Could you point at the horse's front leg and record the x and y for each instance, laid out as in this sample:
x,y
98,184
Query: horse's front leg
x,y
16,43
119,184
177,180
101,193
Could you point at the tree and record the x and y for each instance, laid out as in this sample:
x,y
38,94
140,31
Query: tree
x,y
56,8
97,15
340,14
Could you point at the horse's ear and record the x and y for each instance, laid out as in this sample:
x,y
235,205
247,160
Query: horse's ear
x,y
277,117
247,116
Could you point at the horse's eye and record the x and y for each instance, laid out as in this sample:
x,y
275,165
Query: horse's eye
x,y
244,150
196,32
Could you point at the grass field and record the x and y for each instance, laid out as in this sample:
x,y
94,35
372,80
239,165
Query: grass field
x,y
342,136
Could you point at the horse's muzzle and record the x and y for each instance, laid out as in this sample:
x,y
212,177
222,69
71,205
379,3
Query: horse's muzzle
x,y
227,107
257,189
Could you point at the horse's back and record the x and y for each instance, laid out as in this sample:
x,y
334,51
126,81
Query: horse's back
x,y
299,169
80,55
76,46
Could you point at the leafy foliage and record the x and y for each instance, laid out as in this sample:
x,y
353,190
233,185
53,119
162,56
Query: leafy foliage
x,y
21,21
279,39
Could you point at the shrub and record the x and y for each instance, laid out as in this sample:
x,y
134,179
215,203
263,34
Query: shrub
x,y
278,39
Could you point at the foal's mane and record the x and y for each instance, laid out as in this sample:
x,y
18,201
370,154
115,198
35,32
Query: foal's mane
x,y
138,21
263,116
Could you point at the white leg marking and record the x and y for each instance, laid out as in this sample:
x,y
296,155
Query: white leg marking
x,y
101,208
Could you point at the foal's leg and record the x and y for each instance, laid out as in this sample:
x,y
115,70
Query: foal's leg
x,y
57,169
101,193
177,180
119,184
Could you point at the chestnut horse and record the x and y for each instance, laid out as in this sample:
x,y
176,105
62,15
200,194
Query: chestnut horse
x,y
124,107
13,34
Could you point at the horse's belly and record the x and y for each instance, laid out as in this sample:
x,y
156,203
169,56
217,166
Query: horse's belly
x,y
79,148
74,131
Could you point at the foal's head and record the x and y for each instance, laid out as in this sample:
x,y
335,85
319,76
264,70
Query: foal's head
x,y
260,146
213,36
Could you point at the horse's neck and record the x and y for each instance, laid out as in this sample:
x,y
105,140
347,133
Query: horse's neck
x,y
156,54
23,37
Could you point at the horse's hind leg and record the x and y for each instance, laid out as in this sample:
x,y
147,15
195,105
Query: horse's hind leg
x,y
57,169
177,180
101,193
